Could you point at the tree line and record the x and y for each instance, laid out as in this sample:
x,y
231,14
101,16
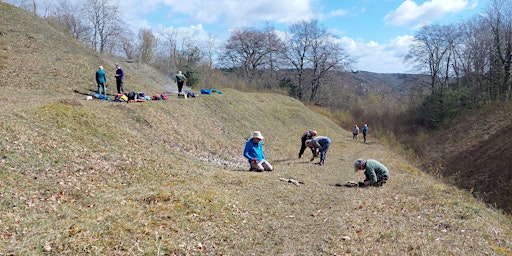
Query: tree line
x,y
469,62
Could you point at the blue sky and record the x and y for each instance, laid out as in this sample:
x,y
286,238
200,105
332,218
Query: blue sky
x,y
377,32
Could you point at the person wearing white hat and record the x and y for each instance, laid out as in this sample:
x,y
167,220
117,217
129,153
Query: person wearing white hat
x,y
253,151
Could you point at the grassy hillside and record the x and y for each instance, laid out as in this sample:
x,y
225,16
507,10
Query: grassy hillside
x,y
84,177
472,152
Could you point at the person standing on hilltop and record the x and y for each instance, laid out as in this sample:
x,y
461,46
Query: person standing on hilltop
x,y
307,136
376,174
119,79
320,143
101,80
365,131
180,80
355,132
253,151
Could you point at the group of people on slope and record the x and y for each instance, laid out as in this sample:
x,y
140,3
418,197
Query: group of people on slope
x,y
101,80
355,132
376,174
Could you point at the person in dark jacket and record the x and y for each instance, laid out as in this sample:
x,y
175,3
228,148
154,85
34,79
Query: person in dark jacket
x,y
307,136
320,143
119,79
101,80
376,174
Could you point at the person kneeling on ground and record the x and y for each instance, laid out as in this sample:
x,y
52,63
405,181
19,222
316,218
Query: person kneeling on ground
x,y
254,153
321,143
376,174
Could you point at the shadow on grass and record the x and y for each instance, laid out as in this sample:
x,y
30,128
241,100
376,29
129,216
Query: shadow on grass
x,y
89,93
247,170
294,161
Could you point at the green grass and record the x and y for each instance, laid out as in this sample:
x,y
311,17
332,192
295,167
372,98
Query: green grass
x,y
84,177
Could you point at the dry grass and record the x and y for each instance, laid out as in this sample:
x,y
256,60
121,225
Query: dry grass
x,y
168,178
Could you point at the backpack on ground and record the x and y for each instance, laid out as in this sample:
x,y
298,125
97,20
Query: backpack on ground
x,y
132,96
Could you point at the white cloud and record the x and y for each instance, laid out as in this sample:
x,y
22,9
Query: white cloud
x,y
410,13
379,58
228,12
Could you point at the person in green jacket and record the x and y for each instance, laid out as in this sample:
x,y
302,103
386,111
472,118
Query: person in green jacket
x,y
101,80
376,174
180,80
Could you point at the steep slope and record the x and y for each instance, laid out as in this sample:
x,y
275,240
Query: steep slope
x,y
472,152
84,177
35,55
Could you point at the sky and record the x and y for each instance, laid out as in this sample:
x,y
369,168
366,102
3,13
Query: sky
x,y
376,32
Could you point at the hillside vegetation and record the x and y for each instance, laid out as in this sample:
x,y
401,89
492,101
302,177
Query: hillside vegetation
x,y
95,177
472,152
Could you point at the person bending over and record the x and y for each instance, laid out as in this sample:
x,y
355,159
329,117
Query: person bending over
x,y
376,174
307,136
320,143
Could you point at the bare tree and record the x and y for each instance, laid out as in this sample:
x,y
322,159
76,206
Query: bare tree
x,y
68,14
499,17
42,10
312,52
249,49
127,45
147,45
210,50
474,57
104,17
433,51
296,48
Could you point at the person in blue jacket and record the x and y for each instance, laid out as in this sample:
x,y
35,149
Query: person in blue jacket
x,y
253,151
320,143
365,131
